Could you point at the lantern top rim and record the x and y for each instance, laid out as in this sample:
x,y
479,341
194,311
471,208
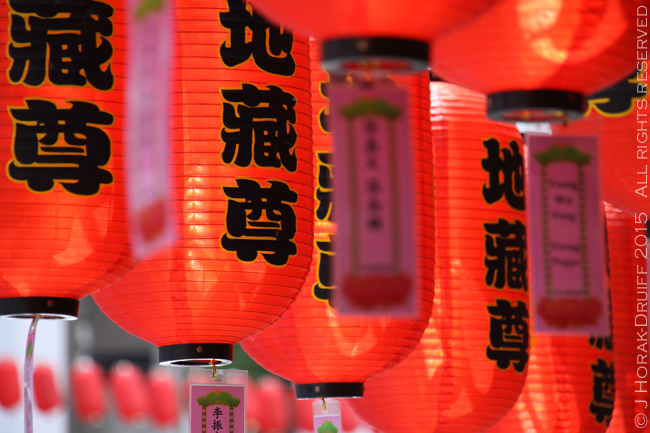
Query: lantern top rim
x,y
45,307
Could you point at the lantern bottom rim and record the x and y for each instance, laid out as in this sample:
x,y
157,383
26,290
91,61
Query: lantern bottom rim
x,y
380,53
329,390
195,354
46,307
536,106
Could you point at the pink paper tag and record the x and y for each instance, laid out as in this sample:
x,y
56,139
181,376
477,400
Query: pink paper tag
x,y
327,416
566,232
147,143
217,408
374,268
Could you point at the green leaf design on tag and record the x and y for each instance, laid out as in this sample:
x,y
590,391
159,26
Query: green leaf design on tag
x,y
218,397
370,106
327,427
147,7
563,153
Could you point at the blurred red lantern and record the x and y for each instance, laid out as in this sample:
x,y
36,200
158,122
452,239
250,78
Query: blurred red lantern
x,y
130,393
471,364
241,175
46,392
9,383
63,230
268,406
616,115
87,392
163,391
378,33
628,269
322,354
530,56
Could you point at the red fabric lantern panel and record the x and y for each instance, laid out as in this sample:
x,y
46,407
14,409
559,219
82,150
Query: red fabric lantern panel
x,y
241,175
463,377
63,230
87,392
325,355
570,388
130,395
372,33
628,278
616,115
10,383
163,391
46,391
530,57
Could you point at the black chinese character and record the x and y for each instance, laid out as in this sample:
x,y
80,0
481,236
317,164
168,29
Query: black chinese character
x,y
508,335
216,425
618,99
248,233
217,411
263,132
602,403
42,160
324,188
601,342
322,289
269,45
506,255
506,175
65,39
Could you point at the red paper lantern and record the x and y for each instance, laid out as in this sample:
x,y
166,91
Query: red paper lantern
x,y
530,57
325,355
372,33
46,392
471,364
130,393
629,287
616,115
268,407
241,176
63,230
163,391
87,392
9,383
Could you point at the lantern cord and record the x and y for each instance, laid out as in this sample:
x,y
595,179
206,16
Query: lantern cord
x,y
29,375
324,405
214,369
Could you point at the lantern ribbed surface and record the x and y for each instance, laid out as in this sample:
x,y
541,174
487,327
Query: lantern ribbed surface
x,y
310,344
372,33
244,226
629,288
451,382
541,45
63,216
616,115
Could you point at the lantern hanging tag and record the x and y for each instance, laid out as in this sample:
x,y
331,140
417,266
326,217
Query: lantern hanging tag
x,y
374,200
566,236
327,416
217,400
148,125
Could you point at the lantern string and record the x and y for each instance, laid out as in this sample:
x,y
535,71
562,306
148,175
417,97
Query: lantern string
x,y
324,405
29,375
214,369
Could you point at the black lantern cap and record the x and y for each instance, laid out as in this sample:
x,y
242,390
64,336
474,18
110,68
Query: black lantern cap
x,y
536,106
45,307
329,390
195,354
391,54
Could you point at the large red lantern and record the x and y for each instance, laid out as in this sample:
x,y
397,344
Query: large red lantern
x,y
617,116
241,177
628,268
471,364
530,57
322,354
372,33
63,229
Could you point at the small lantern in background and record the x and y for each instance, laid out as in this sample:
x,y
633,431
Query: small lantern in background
x,y
130,394
46,391
10,392
87,392
163,390
530,56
